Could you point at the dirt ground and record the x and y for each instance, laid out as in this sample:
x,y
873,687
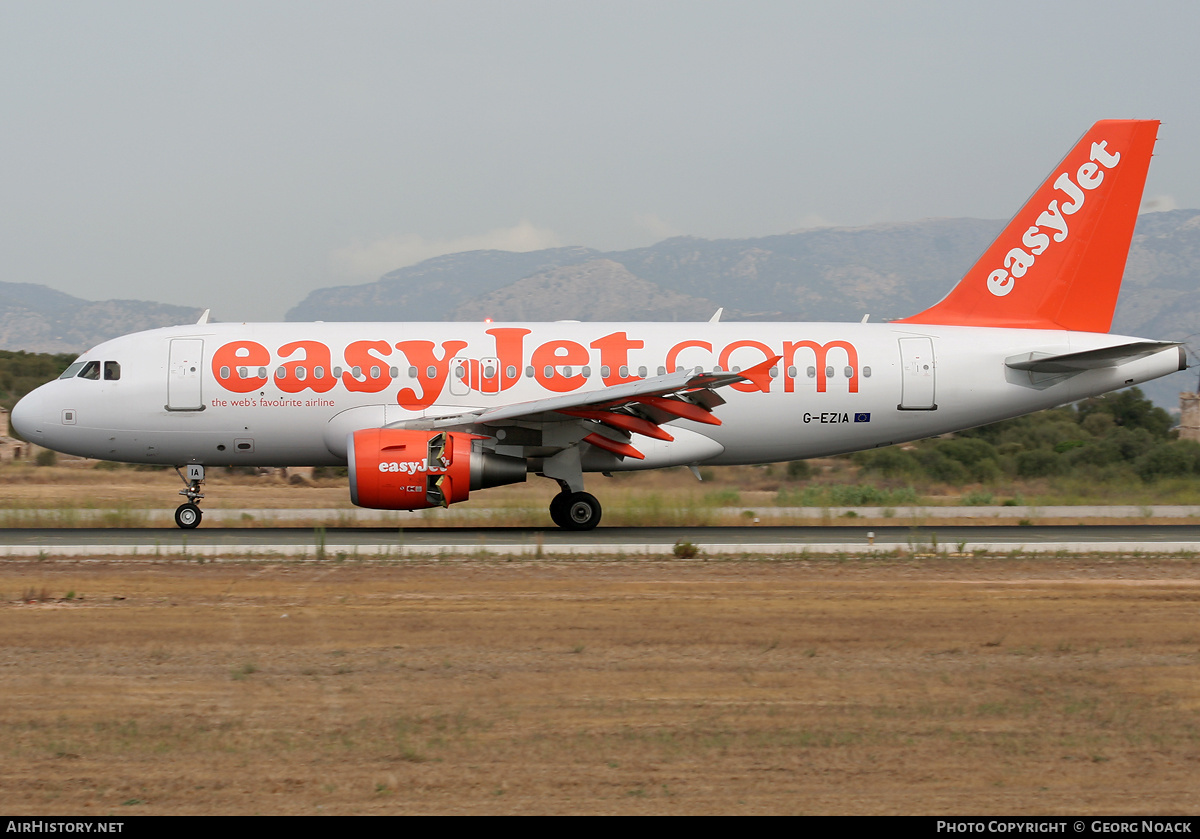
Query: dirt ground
x,y
1068,686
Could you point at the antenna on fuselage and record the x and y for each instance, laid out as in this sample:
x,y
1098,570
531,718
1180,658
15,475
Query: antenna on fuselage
x,y
203,317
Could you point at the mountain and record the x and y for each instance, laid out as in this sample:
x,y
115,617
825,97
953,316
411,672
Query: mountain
x,y
433,289
827,274
38,319
600,287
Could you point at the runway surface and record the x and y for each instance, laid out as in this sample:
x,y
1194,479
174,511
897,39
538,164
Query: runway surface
x,y
375,542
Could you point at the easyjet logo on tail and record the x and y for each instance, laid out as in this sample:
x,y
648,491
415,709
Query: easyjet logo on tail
x,y
1052,223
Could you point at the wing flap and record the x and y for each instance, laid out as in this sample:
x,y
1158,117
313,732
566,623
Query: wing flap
x,y
633,408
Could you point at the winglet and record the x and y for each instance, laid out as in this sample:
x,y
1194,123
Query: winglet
x,y
1059,262
203,317
760,374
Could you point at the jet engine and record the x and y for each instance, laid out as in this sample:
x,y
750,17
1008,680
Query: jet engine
x,y
398,469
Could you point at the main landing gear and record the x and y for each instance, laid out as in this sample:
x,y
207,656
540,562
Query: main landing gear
x,y
188,515
572,508
575,510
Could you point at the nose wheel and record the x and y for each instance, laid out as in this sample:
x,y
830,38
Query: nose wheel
x,y
188,516
575,510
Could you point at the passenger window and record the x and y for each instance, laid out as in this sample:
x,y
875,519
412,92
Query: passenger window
x,y
91,370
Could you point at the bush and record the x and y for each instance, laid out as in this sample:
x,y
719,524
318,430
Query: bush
x,y
799,470
46,457
1176,459
889,462
686,550
1038,463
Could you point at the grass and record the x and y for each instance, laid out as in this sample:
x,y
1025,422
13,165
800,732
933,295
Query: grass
x,y
78,494
877,686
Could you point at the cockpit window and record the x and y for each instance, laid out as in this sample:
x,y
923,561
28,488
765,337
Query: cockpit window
x,y
91,370
73,371
112,371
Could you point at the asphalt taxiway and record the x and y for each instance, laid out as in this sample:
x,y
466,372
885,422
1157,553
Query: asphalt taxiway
x,y
452,542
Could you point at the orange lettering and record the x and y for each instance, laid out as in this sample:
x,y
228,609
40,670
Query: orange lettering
x,y
229,358
421,355
302,374
820,351
614,354
673,354
559,354
359,355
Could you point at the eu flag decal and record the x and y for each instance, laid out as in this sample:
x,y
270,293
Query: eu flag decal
x,y
862,417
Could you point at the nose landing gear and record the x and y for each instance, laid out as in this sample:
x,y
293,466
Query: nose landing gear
x,y
188,515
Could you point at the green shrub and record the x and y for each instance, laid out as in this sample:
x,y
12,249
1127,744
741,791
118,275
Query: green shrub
x,y
799,470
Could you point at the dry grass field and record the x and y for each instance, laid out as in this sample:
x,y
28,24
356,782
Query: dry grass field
x,y
964,686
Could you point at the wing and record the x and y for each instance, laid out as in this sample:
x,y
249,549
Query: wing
x,y
608,418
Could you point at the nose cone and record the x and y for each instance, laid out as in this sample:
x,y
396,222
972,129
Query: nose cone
x,y
28,416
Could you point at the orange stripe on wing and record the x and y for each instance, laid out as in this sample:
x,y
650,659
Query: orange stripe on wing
x,y
623,449
678,408
625,422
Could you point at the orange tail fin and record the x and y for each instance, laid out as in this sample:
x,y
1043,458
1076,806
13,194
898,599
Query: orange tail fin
x,y
1059,262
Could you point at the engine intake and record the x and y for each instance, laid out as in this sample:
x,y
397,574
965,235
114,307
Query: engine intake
x,y
397,469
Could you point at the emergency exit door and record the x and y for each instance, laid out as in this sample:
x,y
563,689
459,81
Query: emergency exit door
x,y
918,375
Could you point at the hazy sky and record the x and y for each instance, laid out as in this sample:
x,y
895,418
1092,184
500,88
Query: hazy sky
x,y
239,154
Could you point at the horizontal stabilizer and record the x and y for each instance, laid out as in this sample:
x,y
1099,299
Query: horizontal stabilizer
x,y
1092,359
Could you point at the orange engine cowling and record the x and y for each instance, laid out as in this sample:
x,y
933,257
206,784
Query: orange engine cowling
x,y
397,469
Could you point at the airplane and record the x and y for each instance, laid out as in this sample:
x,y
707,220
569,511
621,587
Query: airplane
x,y
423,414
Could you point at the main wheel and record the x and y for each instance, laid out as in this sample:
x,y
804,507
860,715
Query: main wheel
x,y
580,511
558,509
188,516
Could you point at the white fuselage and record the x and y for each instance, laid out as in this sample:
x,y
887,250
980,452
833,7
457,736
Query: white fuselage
x,y
232,394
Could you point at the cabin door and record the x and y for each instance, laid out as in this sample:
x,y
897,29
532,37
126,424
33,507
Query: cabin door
x,y
918,373
183,382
